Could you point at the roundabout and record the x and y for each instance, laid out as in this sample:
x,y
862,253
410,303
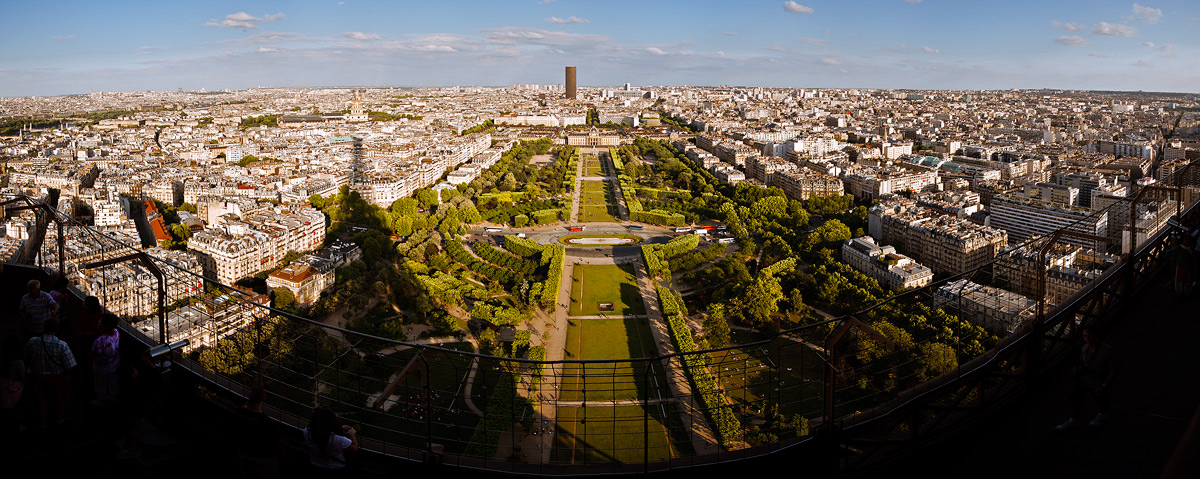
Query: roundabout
x,y
599,240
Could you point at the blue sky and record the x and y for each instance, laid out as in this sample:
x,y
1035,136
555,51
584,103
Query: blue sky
x,y
81,46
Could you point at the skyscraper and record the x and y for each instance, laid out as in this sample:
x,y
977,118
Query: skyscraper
x,y
570,83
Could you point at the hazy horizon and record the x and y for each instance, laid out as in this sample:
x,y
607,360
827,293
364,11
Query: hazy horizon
x,y
880,44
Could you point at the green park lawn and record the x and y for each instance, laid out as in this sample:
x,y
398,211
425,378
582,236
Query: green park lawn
x,y
592,167
608,434
784,373
597,203
595,284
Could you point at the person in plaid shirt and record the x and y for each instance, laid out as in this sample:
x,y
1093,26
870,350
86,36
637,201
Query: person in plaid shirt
x,y
49,361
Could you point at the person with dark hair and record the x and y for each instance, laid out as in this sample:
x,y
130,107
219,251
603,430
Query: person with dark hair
x,y
106,357
1093,374
59,292
1182,255
49,360
259,446
12,386
88,325
36,307
327,447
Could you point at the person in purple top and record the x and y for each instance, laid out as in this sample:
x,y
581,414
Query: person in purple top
x,y
106,354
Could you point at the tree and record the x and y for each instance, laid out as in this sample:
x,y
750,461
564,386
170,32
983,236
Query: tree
x,y
936,358
832,231
761,300
181,232
716,328
508,183
404,207
771,207
426,198
284,298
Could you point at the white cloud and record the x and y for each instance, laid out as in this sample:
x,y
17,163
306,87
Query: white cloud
x,y
930,50
147,50
268,49
1101,55
543,2
656,50
1142,63
532,36
64,37
730,34
435,48
830,61
901,48
914,1
1166,47
1147,44
1146,14
1113,30
813,41
362,37
570,19
779,48
793,7
1071,40
243,20
1070,27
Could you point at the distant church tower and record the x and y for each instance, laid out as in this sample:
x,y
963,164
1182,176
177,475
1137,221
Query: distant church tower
x,y
357,115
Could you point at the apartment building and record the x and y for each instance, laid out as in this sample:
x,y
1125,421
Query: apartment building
x,y
893,270
805,183
945,244
873,182
1022,218
257,241
996,309
130,290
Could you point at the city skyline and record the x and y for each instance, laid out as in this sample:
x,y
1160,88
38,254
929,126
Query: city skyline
x,y
912,44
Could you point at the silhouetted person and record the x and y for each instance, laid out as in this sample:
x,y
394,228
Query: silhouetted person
x,y
1093,376
1182,256
49,360
327,446
106,357
12,387
259,446
36,307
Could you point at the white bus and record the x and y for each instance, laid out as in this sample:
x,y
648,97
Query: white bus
x,y
493,229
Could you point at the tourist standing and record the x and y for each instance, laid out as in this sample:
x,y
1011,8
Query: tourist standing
x,y
36,307
106,357
49,360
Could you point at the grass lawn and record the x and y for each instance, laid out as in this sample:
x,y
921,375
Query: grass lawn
x,y
608,339
404,420
782,372
597,202
608,434
594,284
593,167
